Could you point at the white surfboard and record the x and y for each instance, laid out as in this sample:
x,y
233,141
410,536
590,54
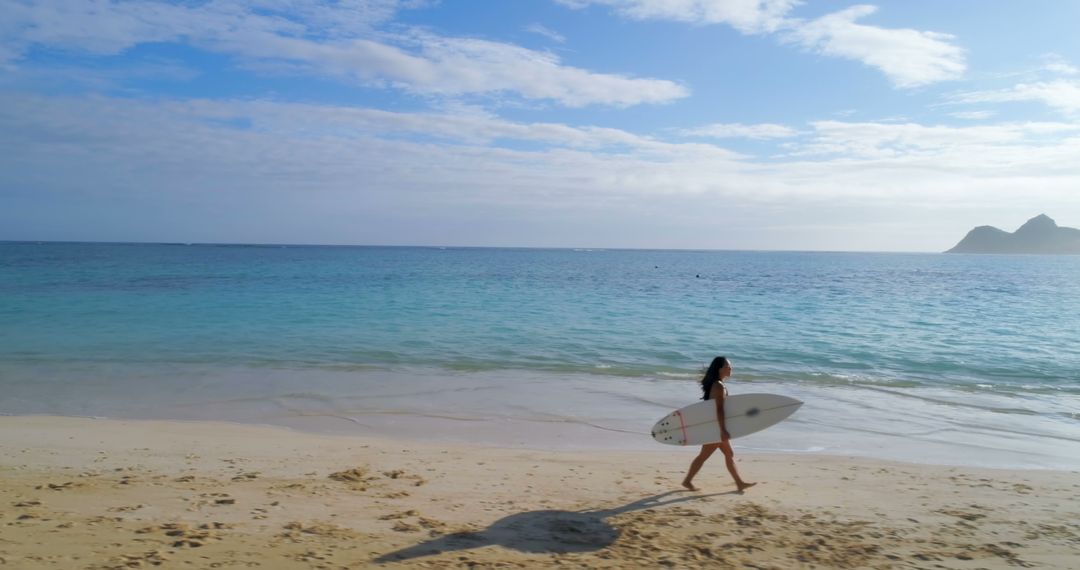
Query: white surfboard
x,y
744,414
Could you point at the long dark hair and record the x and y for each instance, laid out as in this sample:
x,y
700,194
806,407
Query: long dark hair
x,y
712,375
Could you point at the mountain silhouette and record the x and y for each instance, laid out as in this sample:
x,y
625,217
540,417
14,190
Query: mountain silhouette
x,y
1038,235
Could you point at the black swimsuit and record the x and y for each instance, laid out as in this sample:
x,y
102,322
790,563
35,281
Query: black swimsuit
x,y
722,385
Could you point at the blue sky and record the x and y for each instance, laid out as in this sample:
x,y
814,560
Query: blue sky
x,y
741,124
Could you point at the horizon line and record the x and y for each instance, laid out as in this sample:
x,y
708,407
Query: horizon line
x,y
428,246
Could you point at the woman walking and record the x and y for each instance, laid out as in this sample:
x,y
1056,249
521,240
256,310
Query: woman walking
x,y
712,386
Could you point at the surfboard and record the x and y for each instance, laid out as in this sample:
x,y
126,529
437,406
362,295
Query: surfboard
x,y
744,414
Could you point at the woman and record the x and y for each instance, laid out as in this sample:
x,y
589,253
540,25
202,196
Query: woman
x,y
713,387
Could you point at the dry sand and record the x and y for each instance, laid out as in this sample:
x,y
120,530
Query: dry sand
x,y
82,493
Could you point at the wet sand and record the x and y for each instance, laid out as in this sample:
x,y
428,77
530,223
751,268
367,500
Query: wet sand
x,y
85,493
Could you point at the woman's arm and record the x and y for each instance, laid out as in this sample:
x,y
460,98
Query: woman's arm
x,y
717,395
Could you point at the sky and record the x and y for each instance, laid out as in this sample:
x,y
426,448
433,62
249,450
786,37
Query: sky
x,y
689,124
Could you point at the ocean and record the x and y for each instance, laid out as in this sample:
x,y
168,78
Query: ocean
x,y
952,359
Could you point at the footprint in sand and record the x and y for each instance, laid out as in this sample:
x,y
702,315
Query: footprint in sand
x,y
125,508
59,486
357,478
400,474
401,515
183,535
151,558
299,532
402,526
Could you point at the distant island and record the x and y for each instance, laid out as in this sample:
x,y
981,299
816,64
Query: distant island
x,y
1038,235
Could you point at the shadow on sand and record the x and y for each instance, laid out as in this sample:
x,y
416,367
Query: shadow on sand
x,y
542,532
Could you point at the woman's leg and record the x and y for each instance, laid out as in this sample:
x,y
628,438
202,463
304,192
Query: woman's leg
x,y
695,465
729,459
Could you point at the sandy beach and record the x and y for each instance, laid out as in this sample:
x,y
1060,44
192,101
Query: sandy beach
x,y
89,493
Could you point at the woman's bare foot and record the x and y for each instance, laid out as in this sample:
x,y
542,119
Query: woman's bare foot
x,y
744,486
690,486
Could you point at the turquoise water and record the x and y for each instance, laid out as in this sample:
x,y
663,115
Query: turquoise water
x,y
130,329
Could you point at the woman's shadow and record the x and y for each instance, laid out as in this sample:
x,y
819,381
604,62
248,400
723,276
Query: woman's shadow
x,y
550,532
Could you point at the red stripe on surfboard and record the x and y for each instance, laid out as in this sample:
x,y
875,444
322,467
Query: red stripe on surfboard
x,y
682,424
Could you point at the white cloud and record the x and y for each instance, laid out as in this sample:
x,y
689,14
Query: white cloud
x,y
331,39
454,66
735,130
460,126
1061,94
107,139
1031,148
98,127
909,58
272,172
1056,64
747,16
110,26
973,115
540,29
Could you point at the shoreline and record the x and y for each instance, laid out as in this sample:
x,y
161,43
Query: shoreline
x,y
538,410
102,493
